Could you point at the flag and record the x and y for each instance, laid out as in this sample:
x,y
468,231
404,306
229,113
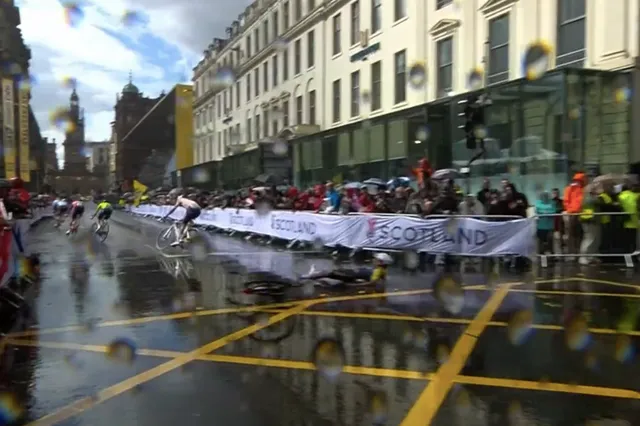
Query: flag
x,y
139,190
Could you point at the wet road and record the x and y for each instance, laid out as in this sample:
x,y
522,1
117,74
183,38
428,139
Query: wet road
x,y
203,358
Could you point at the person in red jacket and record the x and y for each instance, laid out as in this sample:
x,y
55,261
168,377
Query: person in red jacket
x,y
18,200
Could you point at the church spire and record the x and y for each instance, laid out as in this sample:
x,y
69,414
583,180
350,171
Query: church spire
x,y
130,77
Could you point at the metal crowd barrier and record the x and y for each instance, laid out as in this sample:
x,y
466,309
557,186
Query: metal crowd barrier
x,y
544,257
628,257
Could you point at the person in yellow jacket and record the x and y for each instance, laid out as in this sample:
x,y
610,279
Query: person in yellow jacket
x,y
628,200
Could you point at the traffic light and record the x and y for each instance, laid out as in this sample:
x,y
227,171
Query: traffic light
x,y
473,118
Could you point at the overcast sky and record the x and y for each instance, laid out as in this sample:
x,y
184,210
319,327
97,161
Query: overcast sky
x,y
160,43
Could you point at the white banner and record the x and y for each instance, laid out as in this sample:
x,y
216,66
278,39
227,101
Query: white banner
x,y
464,236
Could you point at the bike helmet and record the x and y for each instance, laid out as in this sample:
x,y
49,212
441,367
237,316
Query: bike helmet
x,y
383,258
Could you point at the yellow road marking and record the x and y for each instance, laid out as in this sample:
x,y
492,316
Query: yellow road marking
x,y
392,317
184,315
426,406
573,293
607,282
548,387
357,370
177,362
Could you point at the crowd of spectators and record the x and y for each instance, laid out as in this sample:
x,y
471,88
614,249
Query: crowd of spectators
x,y
583,218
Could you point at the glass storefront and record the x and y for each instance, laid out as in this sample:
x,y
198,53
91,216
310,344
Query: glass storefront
x,y
541,132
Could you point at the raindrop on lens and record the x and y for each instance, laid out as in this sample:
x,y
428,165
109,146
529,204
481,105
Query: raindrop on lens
x,y
69,82
224,78
577,335
130,18
280,148
378,407
280,45
624,349
201,176
329,358
450,294
622,92
10,408
318,244
535,61
122,349
73,13
417,75
475,79
423,133
411,260
520,327
365,96
480,132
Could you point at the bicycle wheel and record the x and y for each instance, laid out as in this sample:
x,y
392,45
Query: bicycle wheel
x,y
165,238
265,287
104,232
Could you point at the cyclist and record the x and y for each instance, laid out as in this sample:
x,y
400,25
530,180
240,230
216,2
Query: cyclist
x,y
77,210
193,210
104,211
60,207
360,277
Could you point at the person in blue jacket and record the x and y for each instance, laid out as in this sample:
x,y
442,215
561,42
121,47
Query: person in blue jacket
x,y
545,206
334,197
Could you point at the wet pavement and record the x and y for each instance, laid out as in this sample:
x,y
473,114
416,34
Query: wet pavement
x,y
117,330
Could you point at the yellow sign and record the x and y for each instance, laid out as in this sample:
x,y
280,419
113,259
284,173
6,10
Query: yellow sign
x,y
23,111
8,129
184,126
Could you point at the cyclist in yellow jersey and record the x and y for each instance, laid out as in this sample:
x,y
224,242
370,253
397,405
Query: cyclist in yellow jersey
x,y
356,277
104,211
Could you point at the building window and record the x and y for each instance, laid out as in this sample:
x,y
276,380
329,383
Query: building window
x,y
337,34
498,49
376,86
376,16
274,127
400,77
312,107
257,124
311,50
248,46
298,10
219,141
256,82
265,76
572,20
256,40
219,105
285,114
399,9
445,66
285,64
312,5
355,22
249,130
355,94
248,87
299,110
336,101
238,88
265,123
297,60
285,15
275,24
442,3
274,70
265,32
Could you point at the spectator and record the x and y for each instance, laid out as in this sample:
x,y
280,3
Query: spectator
x,y
545,205
572,203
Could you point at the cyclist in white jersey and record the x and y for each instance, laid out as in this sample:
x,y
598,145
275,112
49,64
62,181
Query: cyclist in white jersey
x,y
193,210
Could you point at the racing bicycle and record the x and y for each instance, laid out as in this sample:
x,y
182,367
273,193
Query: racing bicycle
x,y
172,234
100,228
